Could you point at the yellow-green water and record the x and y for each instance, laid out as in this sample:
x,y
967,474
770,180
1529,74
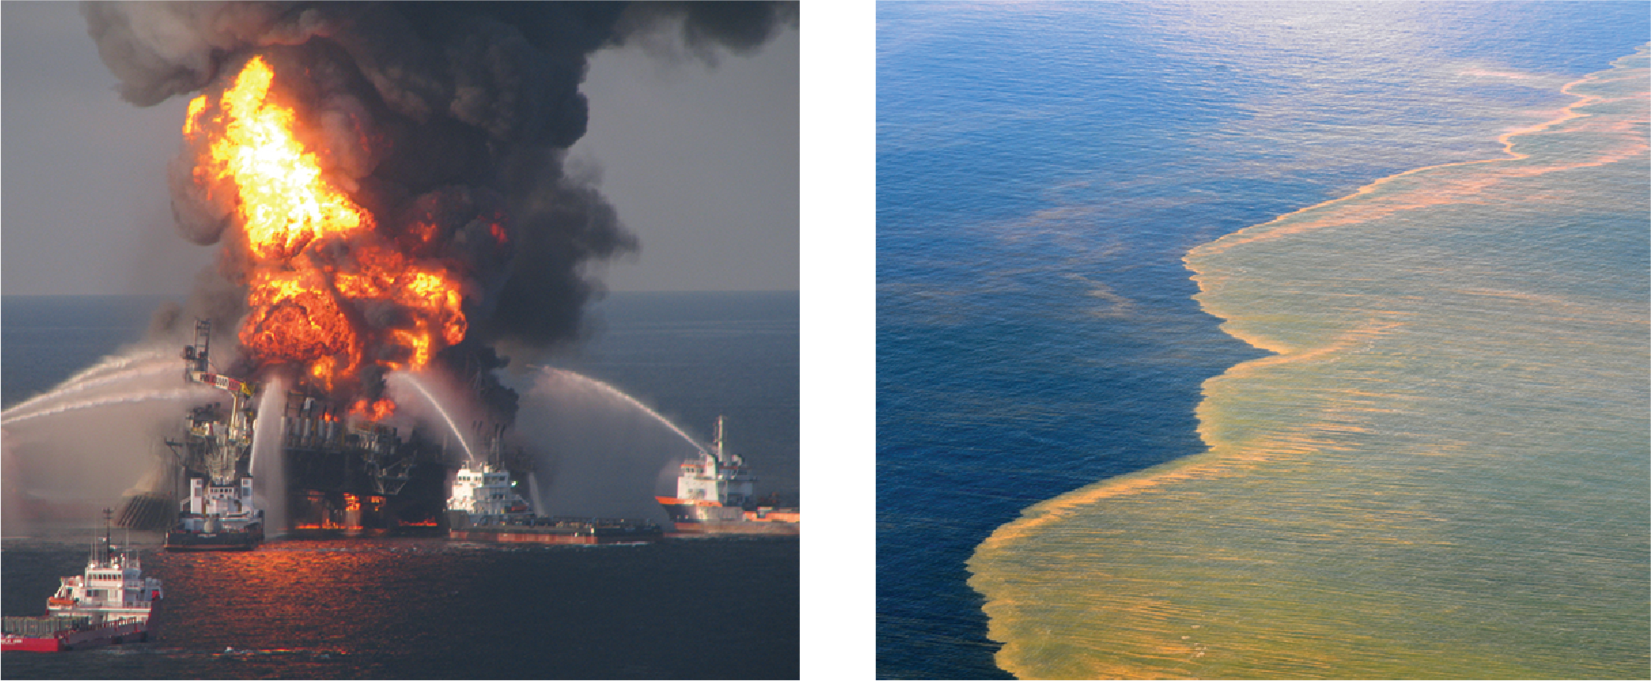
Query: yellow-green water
x,y
1442,472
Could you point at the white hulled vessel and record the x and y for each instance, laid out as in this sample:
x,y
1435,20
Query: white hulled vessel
x,y
484,506
715,495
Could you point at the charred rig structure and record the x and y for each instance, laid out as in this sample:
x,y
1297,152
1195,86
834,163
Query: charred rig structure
x,y
340,472
346,473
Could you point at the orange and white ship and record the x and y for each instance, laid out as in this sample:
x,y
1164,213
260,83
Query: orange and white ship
x,y
108,603
714,495
486,507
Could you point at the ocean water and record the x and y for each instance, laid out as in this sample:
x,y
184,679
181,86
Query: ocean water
x,y
1042,172
430,608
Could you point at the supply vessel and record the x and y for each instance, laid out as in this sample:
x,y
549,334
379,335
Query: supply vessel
x,y
714,495
108,603
486,507
218,514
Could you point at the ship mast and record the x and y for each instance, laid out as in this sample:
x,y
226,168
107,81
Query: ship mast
x,y
716,440
716,448
101,555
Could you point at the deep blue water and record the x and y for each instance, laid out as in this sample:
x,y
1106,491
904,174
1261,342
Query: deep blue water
x,y
1041,171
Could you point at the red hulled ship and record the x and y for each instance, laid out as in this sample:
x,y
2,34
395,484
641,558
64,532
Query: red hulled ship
x,y
108,603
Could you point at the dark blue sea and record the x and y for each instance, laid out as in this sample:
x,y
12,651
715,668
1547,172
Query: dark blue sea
x,y
430,608
1042,169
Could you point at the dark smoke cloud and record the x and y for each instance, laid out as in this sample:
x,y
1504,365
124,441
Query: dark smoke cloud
x,y
740,27
451,115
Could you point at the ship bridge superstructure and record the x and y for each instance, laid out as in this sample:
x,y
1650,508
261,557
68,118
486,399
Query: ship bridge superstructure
x,y
482,490
716,476
111,588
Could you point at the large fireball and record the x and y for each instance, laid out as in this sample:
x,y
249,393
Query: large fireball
x,y
317,264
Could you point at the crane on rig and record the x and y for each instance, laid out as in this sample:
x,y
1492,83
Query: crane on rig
x,y
219,513
230,438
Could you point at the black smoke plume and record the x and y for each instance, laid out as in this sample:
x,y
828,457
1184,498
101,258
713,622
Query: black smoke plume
x,y
451,115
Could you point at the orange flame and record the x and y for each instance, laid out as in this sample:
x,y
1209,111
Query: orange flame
x,y
285,201
375,410
303,299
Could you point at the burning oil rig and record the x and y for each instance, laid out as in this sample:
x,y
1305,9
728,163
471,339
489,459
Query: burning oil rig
x,y
347,473
332,470
338,291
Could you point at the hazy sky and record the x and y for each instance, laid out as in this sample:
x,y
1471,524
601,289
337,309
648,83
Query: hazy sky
x,y
701,163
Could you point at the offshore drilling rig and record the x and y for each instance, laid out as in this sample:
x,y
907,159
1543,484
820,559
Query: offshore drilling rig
x,y
332,471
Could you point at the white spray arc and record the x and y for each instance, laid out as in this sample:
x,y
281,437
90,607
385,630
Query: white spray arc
x,y
401,377
89,438
140,374
194,393
619,396
113,370
596,450
268,467
533,492
10,490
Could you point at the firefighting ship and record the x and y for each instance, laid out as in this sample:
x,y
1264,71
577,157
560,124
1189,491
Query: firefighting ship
x,y
108,603
218,513
714,496
485,507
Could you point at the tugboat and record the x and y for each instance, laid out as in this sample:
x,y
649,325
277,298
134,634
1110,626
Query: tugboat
x,y
486,507
219,514
108,603
217,517
714,496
